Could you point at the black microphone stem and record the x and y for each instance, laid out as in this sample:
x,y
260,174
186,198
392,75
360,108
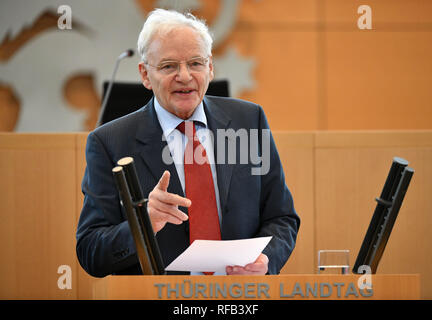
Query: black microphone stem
x,y
125,54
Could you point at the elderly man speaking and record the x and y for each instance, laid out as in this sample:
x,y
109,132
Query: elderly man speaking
x,y
211,189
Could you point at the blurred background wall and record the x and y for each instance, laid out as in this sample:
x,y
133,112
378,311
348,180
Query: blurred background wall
x,y
306,62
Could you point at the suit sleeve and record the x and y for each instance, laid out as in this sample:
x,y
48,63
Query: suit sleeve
x,y
104,241
277,214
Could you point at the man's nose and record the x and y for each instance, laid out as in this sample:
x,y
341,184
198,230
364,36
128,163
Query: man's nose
x,y
183,74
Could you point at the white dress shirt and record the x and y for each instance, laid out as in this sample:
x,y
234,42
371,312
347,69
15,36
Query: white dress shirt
x,y
177,144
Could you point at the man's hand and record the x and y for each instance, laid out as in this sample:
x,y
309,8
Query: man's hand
x,y
259,267
163,206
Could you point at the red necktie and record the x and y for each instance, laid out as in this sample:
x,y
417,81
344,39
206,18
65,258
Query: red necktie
x,y
199,188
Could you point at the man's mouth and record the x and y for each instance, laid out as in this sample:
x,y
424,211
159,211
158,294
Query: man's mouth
x,y
184,91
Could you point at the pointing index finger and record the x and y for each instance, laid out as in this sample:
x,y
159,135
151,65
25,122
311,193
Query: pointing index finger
x,y
164,181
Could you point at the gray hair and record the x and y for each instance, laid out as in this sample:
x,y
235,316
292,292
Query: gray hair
x,y
164,21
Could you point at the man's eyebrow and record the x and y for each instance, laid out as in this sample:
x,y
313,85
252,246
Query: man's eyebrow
x,y
174,60
167,60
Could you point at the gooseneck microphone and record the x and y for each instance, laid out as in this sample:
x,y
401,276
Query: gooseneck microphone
x,y
128,53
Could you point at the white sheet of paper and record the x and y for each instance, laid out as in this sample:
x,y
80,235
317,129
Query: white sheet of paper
x,y
215,255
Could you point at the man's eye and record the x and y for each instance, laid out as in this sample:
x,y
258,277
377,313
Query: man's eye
x,y
167,66
195,63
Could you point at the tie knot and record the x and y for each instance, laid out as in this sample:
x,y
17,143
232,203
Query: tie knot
x,y
187,128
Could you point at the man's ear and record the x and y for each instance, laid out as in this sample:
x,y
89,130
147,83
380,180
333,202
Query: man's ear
x,y
144,75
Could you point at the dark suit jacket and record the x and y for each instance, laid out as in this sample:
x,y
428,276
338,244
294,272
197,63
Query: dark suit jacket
x,y
251,205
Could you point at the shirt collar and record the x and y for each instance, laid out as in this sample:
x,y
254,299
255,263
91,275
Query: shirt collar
x,y
169,121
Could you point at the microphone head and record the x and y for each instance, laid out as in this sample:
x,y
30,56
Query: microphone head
x,y
126,54
130,52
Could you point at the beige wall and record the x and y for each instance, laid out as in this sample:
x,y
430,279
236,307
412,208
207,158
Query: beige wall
x,y
314,69
334,178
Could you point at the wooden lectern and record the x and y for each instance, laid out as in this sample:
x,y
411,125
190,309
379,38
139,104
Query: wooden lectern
x,y
280,287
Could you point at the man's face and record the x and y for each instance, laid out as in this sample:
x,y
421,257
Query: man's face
x,y
178,92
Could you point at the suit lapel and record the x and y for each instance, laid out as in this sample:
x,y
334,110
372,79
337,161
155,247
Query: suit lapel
x,y
217,119
149,134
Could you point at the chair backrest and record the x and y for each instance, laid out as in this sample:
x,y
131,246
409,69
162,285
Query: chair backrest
x,y
127,97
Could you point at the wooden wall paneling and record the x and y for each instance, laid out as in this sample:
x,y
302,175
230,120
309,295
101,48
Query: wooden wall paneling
x,y
349,177
280,37
8,272
385,13
297,156
37,212
286,73
379,78
287,13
